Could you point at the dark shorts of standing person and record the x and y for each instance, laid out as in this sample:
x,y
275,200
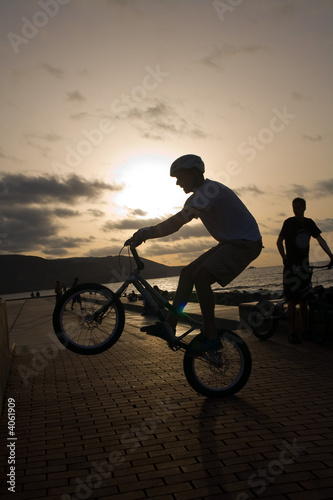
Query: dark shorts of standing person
x,y
228,259
296,283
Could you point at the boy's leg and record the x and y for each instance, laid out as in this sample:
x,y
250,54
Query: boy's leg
x,y
222,266
182,295
203,280
185,285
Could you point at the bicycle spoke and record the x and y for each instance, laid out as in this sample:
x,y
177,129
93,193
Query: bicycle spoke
x,y
222,372
86,322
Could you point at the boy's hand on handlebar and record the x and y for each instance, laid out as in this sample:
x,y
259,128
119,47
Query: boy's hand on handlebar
x,y
137,238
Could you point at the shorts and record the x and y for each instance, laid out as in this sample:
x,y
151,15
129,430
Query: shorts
x,y
228,259
296,283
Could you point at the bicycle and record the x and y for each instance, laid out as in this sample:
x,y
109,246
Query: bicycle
x,y
265,317
99,324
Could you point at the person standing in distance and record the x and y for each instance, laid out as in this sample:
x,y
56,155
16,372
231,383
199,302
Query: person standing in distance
x,y
229,222
293,245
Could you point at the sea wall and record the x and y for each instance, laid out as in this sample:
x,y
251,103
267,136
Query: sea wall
x,y
236,297
5,357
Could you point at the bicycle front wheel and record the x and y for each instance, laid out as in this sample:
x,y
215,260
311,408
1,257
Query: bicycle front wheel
x,y
219,373
88,319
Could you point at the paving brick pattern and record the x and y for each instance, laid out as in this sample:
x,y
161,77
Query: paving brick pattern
x,y
126,425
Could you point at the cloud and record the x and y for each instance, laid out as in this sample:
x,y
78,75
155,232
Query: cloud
x,y
138,211
22,189
321,189
241,107
27,229
250,189
95,213
274,10
34,211
325,225
6,156
159,119
57,246
217,55
75,95
65,212
105,251
191,230
317,190
324,188
132,224
52,70
35,229
312,138
50,137
41,142
297,96
83,115
194,246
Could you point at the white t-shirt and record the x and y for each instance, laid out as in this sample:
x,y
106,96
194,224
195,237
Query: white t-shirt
x,y
224,215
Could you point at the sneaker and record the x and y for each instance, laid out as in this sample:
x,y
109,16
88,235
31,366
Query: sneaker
x,y
157,330
204,344
294,339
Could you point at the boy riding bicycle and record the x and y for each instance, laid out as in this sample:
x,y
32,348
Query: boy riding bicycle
x,y
229,222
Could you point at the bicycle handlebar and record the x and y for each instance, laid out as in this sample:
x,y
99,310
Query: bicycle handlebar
x,y
326,266
138,261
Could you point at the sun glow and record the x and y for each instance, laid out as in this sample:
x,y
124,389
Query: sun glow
x,y
149,191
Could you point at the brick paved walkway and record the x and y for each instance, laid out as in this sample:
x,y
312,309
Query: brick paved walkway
x,y
126,425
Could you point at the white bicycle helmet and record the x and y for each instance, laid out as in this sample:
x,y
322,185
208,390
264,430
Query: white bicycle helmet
x,y
187,161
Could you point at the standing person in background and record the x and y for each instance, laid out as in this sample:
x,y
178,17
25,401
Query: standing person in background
x,y
293,245
58,290
77,298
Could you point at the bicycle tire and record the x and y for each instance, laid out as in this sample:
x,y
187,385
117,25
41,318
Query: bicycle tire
x,y
318,322
264,320
75,322
219,373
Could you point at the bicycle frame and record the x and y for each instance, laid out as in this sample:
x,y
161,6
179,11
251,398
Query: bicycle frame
x,y
148,292
309,292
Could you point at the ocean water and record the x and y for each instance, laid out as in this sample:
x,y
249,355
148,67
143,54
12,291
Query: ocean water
x,y
262,279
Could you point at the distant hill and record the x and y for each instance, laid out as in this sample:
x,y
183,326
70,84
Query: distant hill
x,y
22,273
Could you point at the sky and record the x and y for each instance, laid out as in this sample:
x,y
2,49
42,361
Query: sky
x,y
99,97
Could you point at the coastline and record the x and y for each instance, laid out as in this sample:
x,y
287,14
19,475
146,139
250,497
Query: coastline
x,y
232,298
251,286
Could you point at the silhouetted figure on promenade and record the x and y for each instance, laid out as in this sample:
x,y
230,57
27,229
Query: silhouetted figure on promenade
x,y
294,244
77,297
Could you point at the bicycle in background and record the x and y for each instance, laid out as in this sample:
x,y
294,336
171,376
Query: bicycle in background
x,y
265,317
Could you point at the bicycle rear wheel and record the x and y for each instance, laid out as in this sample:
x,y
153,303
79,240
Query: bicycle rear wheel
x,y
264,320
88,319
219,373
318,322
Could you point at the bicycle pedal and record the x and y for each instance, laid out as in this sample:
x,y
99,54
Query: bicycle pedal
x,y
149,328
174,347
